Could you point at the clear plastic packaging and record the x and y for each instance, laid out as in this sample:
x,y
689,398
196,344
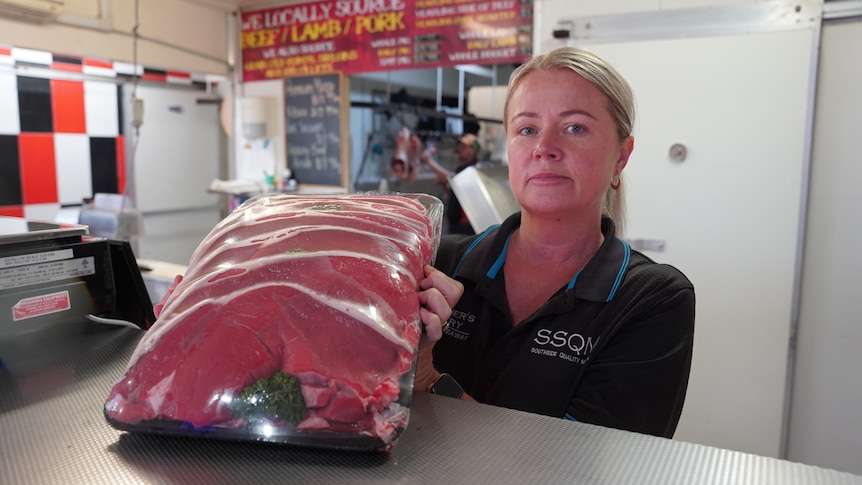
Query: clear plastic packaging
x,y
296,322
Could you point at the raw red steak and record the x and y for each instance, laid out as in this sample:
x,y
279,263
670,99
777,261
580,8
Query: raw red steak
x,y
321,288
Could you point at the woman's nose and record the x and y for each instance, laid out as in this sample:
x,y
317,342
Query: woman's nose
x,y
547,147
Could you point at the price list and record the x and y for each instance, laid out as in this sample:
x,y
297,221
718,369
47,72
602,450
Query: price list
x,y
313,125
353,36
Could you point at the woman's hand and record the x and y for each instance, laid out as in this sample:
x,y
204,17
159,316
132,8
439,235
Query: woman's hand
x,y
438,295
157,308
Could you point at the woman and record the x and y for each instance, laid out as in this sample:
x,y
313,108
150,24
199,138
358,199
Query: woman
x,y
558,315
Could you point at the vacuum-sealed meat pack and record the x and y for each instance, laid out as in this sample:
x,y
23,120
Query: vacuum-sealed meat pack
x,y
297,321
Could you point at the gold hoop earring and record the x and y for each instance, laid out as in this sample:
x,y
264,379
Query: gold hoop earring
x,y
615,182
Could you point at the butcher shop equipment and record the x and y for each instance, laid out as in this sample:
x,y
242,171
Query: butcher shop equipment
x,y
485,194
107,216
54,274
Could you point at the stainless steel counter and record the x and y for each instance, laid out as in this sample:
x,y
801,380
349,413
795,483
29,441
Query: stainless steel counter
x,y
53,386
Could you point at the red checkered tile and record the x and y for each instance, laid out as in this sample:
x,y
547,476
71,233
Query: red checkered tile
x,y
60,138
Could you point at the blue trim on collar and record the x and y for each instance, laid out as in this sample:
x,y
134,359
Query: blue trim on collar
x,y
569,417
495,268
471,246
573,280
628,255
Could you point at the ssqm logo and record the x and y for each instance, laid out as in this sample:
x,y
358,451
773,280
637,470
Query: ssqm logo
x,y
560,339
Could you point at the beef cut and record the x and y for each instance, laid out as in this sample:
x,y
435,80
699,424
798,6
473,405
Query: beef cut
x,y
323,289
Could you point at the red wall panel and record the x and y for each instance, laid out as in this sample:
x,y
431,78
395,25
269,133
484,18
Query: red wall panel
x,y
38,168
121,164
67,99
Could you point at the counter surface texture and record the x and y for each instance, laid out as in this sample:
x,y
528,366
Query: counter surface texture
x,y
53,386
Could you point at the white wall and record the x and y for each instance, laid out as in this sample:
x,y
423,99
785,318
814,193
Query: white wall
x,y
825,428
174,34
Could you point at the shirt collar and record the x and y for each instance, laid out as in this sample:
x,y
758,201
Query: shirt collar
x,y
597,281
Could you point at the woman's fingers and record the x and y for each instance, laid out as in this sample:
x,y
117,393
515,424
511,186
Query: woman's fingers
x,y
450,289
438,295
437,304
433,325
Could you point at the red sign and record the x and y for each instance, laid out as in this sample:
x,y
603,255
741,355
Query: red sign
x,y
353,36
41,305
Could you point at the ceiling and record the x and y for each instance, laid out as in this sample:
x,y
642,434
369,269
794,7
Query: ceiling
x,y
231,5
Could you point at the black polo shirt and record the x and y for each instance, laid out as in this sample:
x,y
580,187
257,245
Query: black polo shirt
x,y
613,347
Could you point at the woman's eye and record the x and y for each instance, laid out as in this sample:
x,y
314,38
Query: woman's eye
x,y
526,131
575,128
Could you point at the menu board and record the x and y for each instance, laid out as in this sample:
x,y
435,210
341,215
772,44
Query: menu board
x,y
353,36
315,118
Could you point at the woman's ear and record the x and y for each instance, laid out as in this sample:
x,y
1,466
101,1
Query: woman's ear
x,y
626,148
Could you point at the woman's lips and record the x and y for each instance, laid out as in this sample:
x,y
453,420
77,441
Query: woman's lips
x,y
548,177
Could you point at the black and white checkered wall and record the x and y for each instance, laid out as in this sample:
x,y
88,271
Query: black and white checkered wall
x,y
61,137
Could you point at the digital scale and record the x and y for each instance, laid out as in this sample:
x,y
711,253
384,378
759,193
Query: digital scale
x,y
53,273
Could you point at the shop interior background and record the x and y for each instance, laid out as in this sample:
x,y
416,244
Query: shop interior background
x,y
184,143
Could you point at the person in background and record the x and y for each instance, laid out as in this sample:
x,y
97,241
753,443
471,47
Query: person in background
x,y
559,315
410,152
467,152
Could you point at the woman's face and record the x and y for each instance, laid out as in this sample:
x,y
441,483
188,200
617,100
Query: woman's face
x,y
562,144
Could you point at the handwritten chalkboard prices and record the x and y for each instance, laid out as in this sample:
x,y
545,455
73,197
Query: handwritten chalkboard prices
x,y
314,120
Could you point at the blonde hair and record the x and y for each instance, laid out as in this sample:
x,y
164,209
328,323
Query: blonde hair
x,y
610,82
